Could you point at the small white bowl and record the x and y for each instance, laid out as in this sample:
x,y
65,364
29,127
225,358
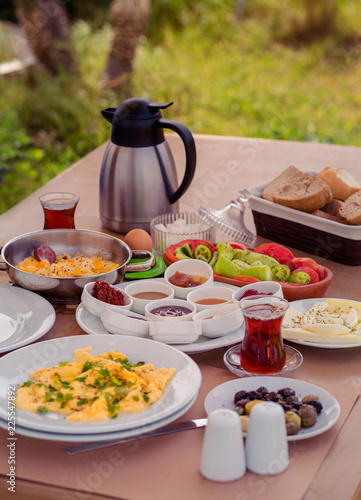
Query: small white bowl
x,y
171,303
221,293
147,286
124,322
96,306
192,267
229,320
261,287
179,332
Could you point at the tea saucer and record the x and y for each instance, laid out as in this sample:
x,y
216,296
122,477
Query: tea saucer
x,y
232,361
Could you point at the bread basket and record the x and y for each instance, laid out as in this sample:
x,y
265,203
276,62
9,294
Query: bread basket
x,y
321,237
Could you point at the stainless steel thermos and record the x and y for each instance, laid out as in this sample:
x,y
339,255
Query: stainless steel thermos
x,y
138,179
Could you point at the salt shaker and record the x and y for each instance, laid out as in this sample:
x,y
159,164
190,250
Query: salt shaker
x,y
223,457
266,442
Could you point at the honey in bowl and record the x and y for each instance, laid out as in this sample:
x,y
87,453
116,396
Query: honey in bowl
x,y
186,280
210,301
150,295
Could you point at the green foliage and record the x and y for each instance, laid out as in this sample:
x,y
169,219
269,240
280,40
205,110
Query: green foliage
x,y
226,75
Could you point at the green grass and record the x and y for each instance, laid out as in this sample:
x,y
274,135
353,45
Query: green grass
x,y
267,75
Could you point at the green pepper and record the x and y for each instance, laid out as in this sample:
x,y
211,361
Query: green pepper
x,y
281,273
226,267
226,250
300,277
184,252
251,257
263,273
202,253
214,258
230,269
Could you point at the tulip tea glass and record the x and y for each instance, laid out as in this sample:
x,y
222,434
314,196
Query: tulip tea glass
x,y
262,350
59,210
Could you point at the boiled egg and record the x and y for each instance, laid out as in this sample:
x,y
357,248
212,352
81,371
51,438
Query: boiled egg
x,y
138,239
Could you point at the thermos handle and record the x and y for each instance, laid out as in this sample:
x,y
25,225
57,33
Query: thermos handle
x,y
191,156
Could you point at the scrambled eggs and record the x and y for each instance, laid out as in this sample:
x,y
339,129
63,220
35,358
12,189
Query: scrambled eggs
x,y
66,266
93,388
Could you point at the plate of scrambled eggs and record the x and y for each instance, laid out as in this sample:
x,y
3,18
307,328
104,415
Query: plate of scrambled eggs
x,y
327,323
96,385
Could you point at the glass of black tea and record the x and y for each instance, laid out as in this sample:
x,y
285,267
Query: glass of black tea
x,y
59,210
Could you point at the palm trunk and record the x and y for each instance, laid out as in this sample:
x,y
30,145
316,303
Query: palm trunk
x,y
45,25
129,19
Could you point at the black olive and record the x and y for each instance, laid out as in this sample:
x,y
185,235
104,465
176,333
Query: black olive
x,y
291,399
287,391
242,403
297,404
287,407
273,396
317,405
262,390
252,395
239,395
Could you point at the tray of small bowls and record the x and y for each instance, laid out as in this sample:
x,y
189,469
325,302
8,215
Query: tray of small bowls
x,y
186,308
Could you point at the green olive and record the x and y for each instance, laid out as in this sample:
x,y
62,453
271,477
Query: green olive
x,y
292,417
308,415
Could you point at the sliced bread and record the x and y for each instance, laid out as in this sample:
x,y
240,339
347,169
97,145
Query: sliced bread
x,y
351,209
296,189
341,182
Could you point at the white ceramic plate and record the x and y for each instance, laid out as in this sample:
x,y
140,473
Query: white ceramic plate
x,y
93,326
87,438
222,396
304,305
24,317
179,391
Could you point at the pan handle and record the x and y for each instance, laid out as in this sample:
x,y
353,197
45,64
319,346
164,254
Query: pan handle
x,y
141,266
2,262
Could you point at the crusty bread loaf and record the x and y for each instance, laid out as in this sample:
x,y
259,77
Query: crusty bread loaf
x,y
351,209
328,216
341,182
296,189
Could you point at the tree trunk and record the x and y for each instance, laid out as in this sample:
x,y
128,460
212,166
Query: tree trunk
x,y
45,25
129,19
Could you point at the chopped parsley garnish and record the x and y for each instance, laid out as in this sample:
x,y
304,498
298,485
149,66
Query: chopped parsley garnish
x,y
63,363
42,409
27,384
87,366
83,401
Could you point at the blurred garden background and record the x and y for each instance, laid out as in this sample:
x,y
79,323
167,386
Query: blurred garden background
x,y
288,70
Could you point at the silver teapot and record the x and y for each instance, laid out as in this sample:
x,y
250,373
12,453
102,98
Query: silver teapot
x,y
138,179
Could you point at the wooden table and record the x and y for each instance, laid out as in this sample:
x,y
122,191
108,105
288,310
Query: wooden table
x,y
330,466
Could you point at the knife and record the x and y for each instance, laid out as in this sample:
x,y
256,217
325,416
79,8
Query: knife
x,y
168,429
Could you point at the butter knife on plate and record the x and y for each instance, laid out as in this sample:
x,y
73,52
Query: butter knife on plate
x,y
167,429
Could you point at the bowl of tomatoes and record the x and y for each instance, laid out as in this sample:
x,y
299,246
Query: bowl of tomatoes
x,y
235,264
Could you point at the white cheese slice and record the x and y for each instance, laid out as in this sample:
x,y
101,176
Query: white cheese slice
x,y
327,329
302,335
